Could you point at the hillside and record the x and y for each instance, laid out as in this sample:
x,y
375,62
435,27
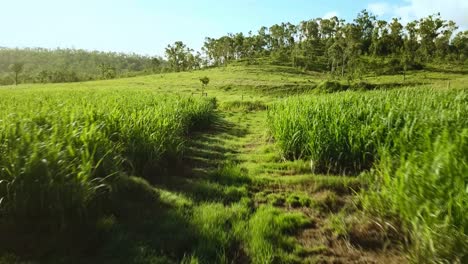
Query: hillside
x,y
258,82
181,180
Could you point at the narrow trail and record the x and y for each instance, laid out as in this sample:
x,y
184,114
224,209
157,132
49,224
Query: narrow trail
x,y
241,138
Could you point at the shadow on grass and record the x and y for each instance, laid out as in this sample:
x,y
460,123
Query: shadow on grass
x,y
135,223
280,70
441,70
209,149
200,212
200,230
140,226
208,171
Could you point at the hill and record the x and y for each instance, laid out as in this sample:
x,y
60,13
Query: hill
x,y
266,164
261,82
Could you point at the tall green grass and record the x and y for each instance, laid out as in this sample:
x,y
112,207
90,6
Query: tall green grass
x,y
61,150
415,142
427,189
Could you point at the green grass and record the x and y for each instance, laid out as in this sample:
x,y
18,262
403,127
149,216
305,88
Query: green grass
x,y
343,133
61,151
266,240
427,189
415,141
146,170
246,106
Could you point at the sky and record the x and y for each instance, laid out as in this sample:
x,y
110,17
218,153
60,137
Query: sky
x,y
146,27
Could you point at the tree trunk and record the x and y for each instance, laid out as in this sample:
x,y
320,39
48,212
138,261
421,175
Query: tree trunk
x,y
342,67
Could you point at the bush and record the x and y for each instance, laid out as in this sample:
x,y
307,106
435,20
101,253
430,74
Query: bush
x,y
363,86
332,87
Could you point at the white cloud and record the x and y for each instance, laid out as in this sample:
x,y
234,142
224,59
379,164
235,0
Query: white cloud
x,y
456,10
331,14
380,8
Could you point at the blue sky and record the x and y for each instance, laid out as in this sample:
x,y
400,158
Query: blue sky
x,y
146,27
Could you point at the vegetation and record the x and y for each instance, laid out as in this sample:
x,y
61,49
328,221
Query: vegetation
x,y
70,65
59,162
323,142
415,139
204,81
16,68
181,58
134,176
346,48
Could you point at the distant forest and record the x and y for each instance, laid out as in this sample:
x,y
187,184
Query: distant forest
x,y
346,50
38,65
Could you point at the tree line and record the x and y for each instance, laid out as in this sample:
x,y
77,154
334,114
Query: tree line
x,y
367,44
332,44
38,65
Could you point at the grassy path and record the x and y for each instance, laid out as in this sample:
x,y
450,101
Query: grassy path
x,y
234,199
236,161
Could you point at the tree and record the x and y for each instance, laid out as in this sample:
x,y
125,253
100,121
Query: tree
x,y
352,47
107,71
411,42
309,30
345,47
262,41
43,76
428,31
365,22
380,39
328,27
204,81
155,64
395,38
460,42
239,47
177,55
16,68
181,58
442,43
